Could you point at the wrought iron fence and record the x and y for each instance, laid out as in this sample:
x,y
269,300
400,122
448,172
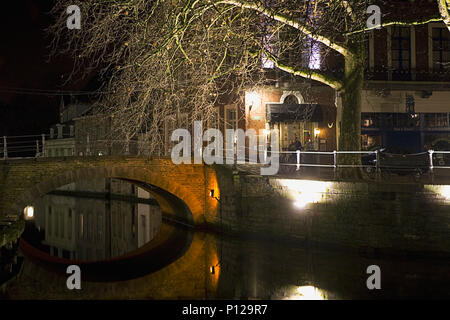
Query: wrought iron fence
x,y
36,146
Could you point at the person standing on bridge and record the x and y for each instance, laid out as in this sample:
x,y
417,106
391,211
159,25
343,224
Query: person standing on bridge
x,y
297,144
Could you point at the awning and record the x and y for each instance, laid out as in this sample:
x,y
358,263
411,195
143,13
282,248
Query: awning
x,y
293,112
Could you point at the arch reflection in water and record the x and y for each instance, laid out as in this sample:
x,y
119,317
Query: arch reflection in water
x,y
93,220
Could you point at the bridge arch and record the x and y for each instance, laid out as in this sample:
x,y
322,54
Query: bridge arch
x,y
26,180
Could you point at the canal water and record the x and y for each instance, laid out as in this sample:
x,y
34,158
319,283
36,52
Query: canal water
x,y
126,249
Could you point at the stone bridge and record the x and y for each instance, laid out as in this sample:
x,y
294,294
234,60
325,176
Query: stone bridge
x,y
188,186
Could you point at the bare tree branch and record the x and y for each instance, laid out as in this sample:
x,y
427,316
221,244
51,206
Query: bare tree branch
x,y
444,9
167,63
397,23
259,7
349,9
307,73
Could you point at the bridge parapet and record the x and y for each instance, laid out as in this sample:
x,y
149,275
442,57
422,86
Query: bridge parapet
x,y
23,180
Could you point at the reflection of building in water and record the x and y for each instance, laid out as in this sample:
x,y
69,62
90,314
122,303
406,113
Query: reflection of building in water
x,y
149,219
95,229
56,215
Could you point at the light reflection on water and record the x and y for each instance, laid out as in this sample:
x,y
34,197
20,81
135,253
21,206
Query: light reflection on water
x,y
305,293
243,269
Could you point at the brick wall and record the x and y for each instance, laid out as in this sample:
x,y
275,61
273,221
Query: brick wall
x,y
22,181
388,218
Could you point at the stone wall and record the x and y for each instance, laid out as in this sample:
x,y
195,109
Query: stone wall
x,y
368,217
364,216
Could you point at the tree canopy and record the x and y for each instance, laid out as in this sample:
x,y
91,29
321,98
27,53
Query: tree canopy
x,y
160,58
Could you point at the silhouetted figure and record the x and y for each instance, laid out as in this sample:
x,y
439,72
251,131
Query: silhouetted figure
x,y
298,145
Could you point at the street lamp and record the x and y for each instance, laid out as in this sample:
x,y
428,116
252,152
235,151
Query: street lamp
x,y
211,194
316,132
28,212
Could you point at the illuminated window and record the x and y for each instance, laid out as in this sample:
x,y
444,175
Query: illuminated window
x,y
437,120
312,51
311,57
314,57
269,38
268,46
370,120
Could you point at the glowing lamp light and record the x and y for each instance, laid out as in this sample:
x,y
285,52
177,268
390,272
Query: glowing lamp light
x,y
29,212
212,270
252,98
445,192
305,192
316,132
305,293
309,293
441,190
300,204
211,194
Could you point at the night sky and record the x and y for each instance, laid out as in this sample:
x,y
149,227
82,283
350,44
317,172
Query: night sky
x,y
24,64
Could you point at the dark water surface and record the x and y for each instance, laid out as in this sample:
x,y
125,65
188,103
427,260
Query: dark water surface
x,y
91,229
157,260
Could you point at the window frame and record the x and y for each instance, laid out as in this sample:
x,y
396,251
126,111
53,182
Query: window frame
x,y
412,51
226,120
400,49
432,26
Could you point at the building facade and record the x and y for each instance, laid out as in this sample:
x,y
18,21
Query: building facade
x,y
405,100
405,103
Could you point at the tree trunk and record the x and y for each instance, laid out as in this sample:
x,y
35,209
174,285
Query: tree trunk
x,y
350,135
444,9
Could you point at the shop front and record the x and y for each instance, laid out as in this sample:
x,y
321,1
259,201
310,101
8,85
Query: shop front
x,y
405,133
295,123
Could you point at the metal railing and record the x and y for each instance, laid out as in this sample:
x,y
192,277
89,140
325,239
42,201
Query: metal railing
x,y
36,146
418,163
22,146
